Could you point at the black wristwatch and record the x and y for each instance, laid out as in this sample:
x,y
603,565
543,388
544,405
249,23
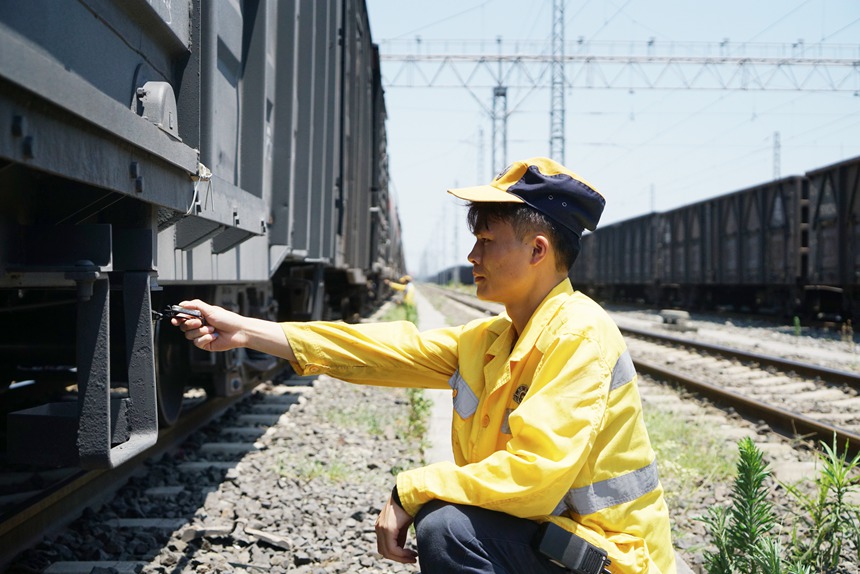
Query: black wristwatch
x,y
396,497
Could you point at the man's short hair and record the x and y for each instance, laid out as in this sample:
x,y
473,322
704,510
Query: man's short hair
x,y
524,220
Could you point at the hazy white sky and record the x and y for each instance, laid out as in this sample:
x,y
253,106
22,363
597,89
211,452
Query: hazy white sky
x,y
642,148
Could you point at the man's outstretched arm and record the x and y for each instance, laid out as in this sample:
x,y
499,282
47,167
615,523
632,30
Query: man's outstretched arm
x,y
222,330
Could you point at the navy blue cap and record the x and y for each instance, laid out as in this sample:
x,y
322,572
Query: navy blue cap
x,y
546,186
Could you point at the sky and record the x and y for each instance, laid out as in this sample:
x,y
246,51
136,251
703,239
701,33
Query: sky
x,y
645,149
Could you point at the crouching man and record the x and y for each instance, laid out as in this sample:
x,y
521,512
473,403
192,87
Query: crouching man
x,y
548,423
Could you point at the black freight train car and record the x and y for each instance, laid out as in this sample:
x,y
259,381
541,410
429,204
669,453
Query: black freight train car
x,y
619,262
157,151
787,247
832,286
458,274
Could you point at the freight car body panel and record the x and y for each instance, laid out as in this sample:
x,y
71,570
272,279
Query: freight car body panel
x,y
834,252
746,250
153,152
620,262
756,240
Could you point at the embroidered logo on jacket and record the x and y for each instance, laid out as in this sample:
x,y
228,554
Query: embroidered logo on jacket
x,y
520,393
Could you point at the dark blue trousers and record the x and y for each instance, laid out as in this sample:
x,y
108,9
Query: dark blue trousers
x,y
455,538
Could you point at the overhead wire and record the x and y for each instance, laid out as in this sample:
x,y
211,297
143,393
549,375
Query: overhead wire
x,y
843,28
610,19
780,19
443,20
628,151
746,156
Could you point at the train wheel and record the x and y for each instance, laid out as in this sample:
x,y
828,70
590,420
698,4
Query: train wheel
x,y
173,371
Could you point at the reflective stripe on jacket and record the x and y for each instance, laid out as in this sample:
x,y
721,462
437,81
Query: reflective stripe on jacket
x,y
546,426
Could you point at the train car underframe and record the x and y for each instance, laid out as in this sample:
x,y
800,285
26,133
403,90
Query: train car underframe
x,y
75,267
829,303
771,300
309,291
123,368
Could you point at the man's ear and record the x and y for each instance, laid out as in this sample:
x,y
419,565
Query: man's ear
x,y
540,248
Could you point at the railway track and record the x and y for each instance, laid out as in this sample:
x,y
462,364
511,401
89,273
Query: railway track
x,y
38,501
168,501
289,479
793,397
797,398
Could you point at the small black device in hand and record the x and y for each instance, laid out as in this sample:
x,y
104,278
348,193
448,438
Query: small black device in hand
x,y
569,550
177,311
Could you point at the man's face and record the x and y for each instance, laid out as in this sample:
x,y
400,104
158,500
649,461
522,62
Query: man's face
x,y
500,263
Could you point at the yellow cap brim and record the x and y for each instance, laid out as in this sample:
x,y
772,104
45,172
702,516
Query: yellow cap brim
x,y
481,193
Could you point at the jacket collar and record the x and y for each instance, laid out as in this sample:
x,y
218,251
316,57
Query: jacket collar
x,y
539,319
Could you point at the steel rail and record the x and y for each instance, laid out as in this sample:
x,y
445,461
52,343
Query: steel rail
x,y
804,369
782,419
62,502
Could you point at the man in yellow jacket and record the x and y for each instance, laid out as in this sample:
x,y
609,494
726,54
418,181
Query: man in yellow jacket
x,y
548,423
406,287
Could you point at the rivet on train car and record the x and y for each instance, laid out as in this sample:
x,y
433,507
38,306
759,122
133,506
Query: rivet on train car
x,y
28,147
134,170
19,125
138,184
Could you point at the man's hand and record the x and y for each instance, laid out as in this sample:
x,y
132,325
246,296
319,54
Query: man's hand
x,y
392,524
224,330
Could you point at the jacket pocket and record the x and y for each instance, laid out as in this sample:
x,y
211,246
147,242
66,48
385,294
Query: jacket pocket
x,y
465,400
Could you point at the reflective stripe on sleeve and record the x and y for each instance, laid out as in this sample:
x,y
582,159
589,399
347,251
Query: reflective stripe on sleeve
x,y
623,372
465,401
609,492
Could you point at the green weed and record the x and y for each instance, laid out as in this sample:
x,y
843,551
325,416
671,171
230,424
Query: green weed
x,y
419,415
742,532
826,521
307,470
361,417
828,517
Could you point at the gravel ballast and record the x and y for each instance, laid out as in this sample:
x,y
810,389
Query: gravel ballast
x,y
299,495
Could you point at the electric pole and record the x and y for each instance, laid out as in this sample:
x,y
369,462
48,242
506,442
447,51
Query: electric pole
x,y
556,108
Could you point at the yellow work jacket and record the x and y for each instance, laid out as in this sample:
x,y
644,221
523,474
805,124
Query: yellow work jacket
x,y
547,425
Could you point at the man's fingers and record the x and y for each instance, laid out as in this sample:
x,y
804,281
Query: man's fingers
x,y
391,527
186,323
205,342
389,548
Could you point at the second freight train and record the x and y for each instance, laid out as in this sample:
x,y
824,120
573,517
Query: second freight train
x,y
790,247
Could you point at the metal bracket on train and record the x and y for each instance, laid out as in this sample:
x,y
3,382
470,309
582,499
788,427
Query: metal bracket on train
x,y
97,441
99,431
192,231
156,102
